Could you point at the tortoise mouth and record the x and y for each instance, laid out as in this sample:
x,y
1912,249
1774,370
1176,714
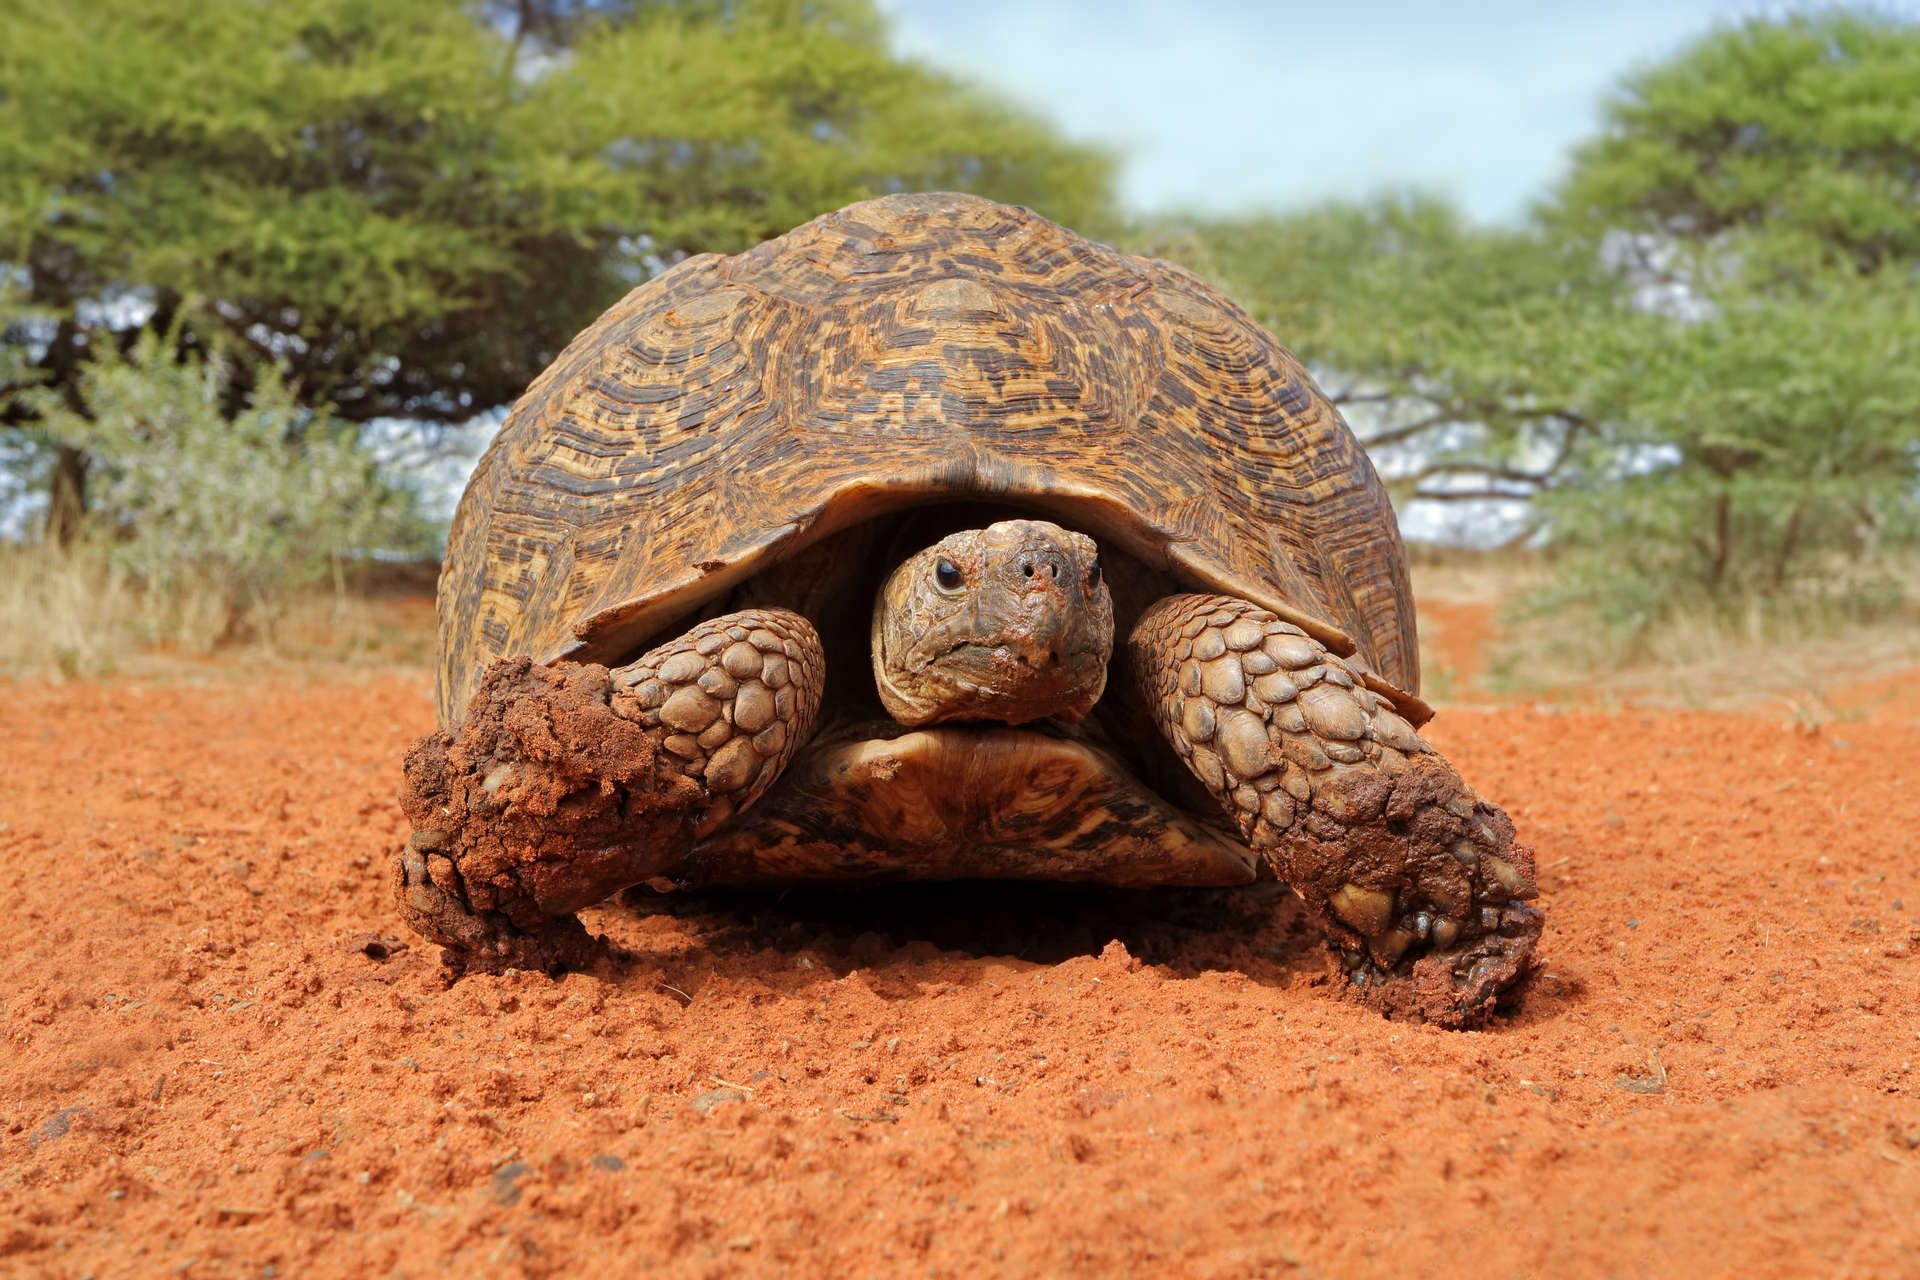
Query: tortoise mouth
x,y
878,800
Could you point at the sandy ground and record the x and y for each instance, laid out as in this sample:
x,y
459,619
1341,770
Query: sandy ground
x,y
214,1064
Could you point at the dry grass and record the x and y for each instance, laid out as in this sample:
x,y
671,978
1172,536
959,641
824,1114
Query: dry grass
x,y
75,616
1706,658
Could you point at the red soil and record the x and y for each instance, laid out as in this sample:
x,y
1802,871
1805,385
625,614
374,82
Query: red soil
x,y
210,1068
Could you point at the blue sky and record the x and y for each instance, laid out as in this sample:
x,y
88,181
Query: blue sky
x,y
1239,104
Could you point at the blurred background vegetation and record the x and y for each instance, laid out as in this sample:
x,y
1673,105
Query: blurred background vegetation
x,y
260,262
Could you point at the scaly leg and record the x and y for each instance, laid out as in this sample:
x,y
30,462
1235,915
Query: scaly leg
x,y
1419,881
564,784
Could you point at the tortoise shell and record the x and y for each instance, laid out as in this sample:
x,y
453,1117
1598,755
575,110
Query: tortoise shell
x,y
915,349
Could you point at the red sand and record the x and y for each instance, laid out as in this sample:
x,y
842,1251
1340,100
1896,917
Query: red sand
x,y
207,1073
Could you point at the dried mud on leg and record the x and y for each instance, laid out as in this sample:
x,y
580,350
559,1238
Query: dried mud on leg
x,y
564,784
542,800
1419,882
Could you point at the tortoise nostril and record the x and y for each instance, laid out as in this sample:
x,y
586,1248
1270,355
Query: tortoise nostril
x,y
1032,562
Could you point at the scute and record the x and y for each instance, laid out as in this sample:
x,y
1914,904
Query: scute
x,y
927,347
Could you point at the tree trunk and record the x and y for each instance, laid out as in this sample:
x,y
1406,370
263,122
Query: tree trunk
x,y
66,496
1722,541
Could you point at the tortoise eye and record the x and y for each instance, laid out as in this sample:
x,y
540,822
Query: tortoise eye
x,y
946,575
1093,577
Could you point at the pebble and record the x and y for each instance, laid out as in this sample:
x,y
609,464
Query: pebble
x,y
506,1181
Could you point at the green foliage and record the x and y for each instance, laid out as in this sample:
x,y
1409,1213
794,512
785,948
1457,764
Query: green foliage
x,y
1702,359
191,493
1763,438
1767,450
1463,355
411,214
1804,130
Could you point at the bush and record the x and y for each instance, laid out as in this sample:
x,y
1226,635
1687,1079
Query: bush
x,y
200,490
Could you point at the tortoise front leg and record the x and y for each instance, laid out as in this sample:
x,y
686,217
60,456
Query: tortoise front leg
x,y
564,784
1418,880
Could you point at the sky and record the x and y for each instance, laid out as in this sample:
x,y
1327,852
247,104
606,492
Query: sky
x,y
1238,104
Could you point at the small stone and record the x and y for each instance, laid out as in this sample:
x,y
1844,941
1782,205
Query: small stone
x,y
715,682
1243,741
1196,719
1243,634
753,707
1459,806
1291,651
606,1163
1222,681
506,1181
689,710
1508,875
732,766
1332,713
705,1103
1208,645
1367,910
742,661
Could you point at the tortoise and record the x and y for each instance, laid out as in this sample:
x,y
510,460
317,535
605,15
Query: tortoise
x,y
808,564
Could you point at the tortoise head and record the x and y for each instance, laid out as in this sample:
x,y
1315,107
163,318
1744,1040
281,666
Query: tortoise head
x,y
1010,623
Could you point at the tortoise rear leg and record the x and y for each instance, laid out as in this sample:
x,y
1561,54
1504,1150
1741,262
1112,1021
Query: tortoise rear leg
x,y
564,784
1418,880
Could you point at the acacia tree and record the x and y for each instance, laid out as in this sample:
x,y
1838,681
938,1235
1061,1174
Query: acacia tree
x,y
1464,356
1697,362
406,212
1767,178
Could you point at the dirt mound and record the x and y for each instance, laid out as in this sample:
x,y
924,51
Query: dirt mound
x,y
223,1055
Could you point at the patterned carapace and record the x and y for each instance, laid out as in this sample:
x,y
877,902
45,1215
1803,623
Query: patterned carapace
x,y
918,348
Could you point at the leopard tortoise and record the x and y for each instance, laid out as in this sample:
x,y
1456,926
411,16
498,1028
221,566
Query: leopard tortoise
x,y
807,564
